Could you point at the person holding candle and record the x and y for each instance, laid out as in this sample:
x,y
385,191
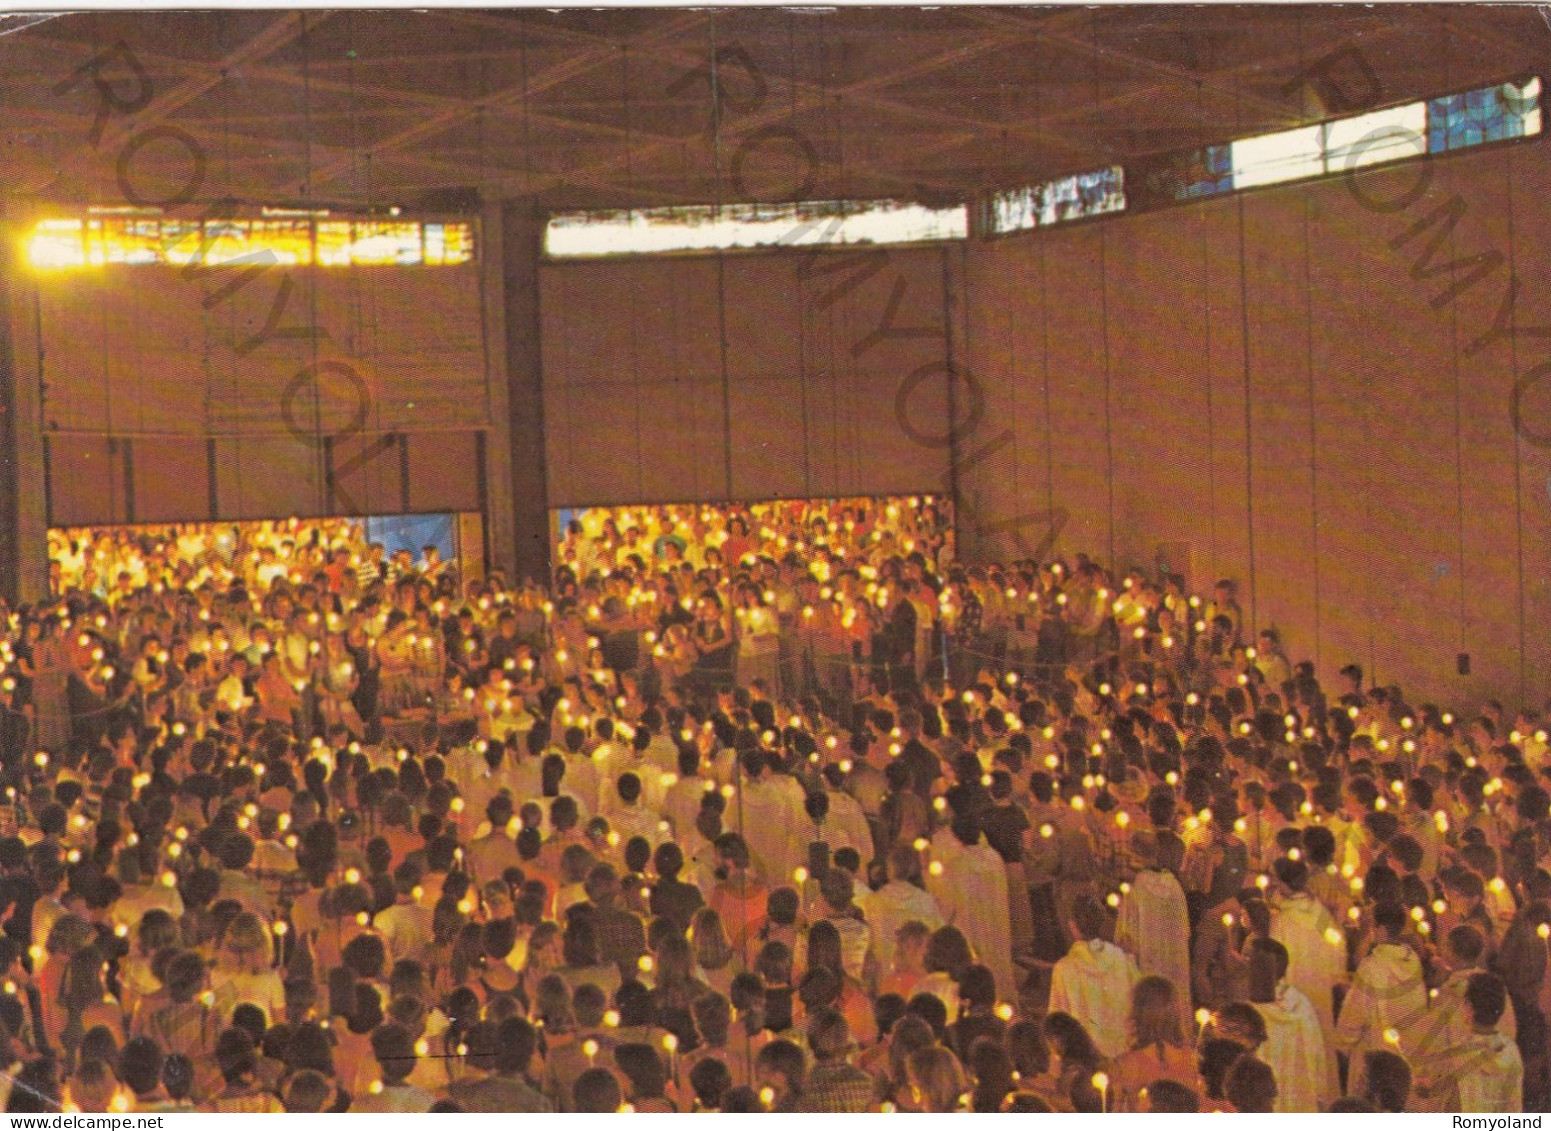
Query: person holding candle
x,y
1388,996
1482,1072
1295,1044
1093,983
1154,924
1158,1049
1316,948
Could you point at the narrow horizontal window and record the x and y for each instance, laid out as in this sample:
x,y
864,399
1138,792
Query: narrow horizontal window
x,y
1476,117
1076,197
121,237
708,227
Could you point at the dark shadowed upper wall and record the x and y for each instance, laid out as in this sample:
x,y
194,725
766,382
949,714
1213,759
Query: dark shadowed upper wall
x,y
818,346
176,395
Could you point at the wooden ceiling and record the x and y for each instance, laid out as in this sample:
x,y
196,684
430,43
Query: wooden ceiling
x,y
613,108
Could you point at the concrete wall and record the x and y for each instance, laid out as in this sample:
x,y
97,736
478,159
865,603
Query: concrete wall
x,y
1278,381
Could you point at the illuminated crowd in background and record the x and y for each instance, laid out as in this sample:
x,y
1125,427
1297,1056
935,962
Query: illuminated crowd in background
x,y
764,808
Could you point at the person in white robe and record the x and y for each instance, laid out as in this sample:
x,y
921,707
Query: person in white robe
x,y
771,818
1447,1024
898,902
969,880
682,798
609,759
844,824
582,779
1484,1073
1316,946
1093,982
1387,998
630,816
1154,924
1295,1045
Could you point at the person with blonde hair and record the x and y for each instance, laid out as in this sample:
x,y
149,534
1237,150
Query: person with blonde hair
x,y
1159,1050
244,971
84,1002
715,959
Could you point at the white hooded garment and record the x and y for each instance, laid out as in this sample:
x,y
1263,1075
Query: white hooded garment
x,y
1387,999
1316,951
971,889
1155,927
1295,1050
1093,983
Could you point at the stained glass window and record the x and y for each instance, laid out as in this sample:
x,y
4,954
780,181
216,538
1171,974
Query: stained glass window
x,y
1493,113
377,243
1054,202
57,243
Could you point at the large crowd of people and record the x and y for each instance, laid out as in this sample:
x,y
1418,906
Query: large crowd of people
x,y
763,808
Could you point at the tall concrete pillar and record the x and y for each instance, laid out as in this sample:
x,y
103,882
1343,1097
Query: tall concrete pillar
x,y
522,241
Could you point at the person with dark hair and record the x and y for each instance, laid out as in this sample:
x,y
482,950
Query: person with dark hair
x,y
711,1081
740,897
948,956
91,1087
1216,1056
779,1072
582,962
140,1067
596,1093
242,1093
394,1049
1483,1072
1074,1058
1295,1045
1250,1087
306,1092
1170,1097
35,1089
185,1024
627,812
1388,994
969,879
1387,1080
177,1083
978,1011
490,855
1316,946
834,1085
646,1078
673,898
1093,982
1465,948
620,933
